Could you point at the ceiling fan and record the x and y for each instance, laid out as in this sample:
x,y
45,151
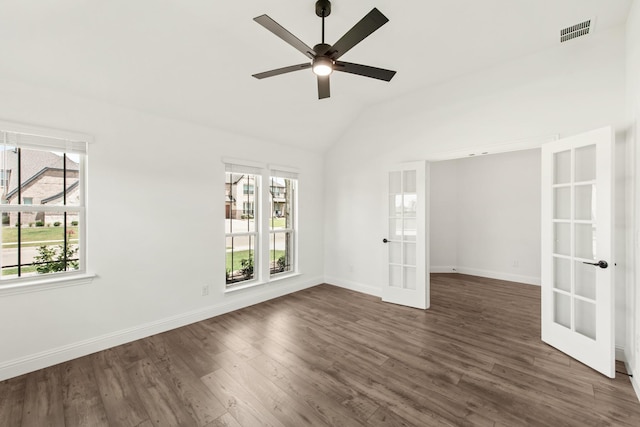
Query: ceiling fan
x,y
324,57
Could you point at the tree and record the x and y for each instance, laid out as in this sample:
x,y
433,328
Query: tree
x,y
51,259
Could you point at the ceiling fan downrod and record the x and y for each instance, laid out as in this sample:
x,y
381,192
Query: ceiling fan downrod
x,y
323,9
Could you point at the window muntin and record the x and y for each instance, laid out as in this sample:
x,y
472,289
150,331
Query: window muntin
x,y
241,227
282,192
42,206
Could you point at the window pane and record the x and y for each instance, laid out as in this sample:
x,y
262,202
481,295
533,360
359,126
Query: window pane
x,y
240,259
72,182
281,194
9,245
240,202
281,252
8,173
38,245
41,178
43,245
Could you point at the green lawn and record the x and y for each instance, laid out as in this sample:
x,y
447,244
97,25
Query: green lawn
x,y
36,234
14,270
240,255
278,223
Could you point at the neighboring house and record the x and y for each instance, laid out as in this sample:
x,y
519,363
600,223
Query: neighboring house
x,y
42,176
240,196
278,195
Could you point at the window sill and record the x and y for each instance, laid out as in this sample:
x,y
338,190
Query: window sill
x,y
283,276
243,287
256,284
37,285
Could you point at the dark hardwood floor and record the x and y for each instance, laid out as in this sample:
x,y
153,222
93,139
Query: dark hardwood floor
x,y
328,356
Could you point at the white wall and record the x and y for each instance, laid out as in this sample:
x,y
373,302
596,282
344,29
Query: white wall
x,y
632,350
564,91
495,216
443,216
155,230
567,90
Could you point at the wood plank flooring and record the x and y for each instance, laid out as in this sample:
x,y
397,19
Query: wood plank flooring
x,y
331,357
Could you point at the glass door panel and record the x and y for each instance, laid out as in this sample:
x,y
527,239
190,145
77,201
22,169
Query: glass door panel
x,y
562,273
562,167
562,311
585,202
562,203
585,241
585,280
585,163
562,238
585,318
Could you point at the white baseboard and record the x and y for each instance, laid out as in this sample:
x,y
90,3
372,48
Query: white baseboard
x,y
443,269
354,286
33,362
530,280
634,380
620,354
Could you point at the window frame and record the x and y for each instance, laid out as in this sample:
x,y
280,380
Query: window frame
x,y
47,139
255,234
292,229
262,213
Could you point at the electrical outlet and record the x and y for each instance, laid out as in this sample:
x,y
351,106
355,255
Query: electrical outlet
x,y
515,263
205,290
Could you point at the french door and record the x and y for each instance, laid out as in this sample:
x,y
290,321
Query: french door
x,y
406,264
577,267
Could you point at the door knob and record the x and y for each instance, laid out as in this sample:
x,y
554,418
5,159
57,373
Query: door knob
x,y
601,264
385,240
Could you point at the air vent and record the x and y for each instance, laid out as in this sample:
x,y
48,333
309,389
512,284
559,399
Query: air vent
x,y
578,30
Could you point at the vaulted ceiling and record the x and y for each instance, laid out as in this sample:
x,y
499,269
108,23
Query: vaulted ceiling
x,y
192,60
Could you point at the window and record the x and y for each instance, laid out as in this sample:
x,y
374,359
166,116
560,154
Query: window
x,y
281,224
241,226
248,208
42,206
260,225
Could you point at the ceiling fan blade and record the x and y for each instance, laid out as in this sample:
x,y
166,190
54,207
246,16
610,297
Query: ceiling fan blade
x,y
323,87
364,70
367,25
282,70
285,35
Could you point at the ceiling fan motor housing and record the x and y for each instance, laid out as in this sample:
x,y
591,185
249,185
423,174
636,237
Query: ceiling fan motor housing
x,y
321,48
323,8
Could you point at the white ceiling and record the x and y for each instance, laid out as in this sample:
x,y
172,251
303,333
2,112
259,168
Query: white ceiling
x,y
192,59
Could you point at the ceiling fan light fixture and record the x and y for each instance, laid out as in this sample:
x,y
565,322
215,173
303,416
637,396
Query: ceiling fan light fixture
x,y
322,66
